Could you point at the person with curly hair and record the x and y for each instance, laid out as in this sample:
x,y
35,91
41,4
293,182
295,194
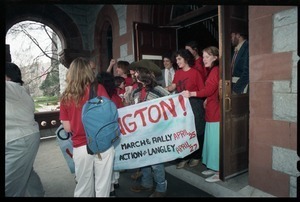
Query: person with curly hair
x,y
148,89
188,78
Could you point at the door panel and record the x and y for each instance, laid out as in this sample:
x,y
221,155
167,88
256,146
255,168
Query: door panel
x,y
234,108
153,40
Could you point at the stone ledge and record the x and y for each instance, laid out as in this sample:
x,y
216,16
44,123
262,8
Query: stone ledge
x,y
234,187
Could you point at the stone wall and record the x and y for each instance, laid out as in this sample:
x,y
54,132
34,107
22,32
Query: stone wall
x,y
285,32
273,99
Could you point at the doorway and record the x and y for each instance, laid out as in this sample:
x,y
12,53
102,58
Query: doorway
x,y
204,32
211,28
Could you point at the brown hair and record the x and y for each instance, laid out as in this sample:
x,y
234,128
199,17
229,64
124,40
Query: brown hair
x,y
122,64
187,56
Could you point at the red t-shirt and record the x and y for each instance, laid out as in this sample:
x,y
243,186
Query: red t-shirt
x,y
120,91
117,100
211,91
190,80
128,81
72,113
200,67
135,85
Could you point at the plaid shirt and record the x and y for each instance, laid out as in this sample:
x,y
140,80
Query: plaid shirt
x,y
154,93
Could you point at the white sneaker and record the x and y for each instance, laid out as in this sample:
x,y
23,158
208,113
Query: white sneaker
x,y
214,178
208,172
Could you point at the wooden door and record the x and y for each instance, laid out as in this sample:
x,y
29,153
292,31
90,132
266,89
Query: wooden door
x,y
234,131
151,42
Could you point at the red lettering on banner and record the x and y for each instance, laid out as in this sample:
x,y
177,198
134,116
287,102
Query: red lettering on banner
x,y
170,107
140,112
181,101
150,115
122,130
128,123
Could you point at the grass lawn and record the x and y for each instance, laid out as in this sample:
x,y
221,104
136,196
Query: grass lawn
x,y
39,102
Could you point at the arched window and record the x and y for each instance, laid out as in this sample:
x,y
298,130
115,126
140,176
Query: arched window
x,y
34,47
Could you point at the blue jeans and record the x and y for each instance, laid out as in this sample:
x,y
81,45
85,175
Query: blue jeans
x,y
159,176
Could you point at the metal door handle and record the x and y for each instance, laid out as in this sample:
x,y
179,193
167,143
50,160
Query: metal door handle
x,y
227,104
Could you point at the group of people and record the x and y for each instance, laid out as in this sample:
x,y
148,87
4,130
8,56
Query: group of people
x,y
196,77
203,93
94,176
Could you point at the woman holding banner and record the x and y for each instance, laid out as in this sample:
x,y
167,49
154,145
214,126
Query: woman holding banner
x,y
148,89
187,78
210,155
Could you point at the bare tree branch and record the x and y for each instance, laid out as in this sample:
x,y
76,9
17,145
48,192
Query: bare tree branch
x,y
50,37
33,72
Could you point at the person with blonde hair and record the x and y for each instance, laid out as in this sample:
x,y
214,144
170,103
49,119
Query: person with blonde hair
x,y
93,174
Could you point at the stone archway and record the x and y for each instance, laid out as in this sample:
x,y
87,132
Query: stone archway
x,y
72,43
56,19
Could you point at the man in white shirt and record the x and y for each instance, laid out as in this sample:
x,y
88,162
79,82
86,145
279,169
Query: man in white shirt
x,y
169,71
22,138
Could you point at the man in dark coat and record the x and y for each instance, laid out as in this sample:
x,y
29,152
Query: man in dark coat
x,y
240,62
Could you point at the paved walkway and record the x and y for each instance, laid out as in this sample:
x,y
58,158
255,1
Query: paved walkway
x,y
188,182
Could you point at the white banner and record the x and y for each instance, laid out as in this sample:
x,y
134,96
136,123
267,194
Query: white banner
x,y
155,131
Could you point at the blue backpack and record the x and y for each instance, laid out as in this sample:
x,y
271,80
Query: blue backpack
x,y
100,122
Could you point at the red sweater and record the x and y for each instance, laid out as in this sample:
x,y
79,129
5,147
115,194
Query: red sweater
x,y
200,67
212,110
